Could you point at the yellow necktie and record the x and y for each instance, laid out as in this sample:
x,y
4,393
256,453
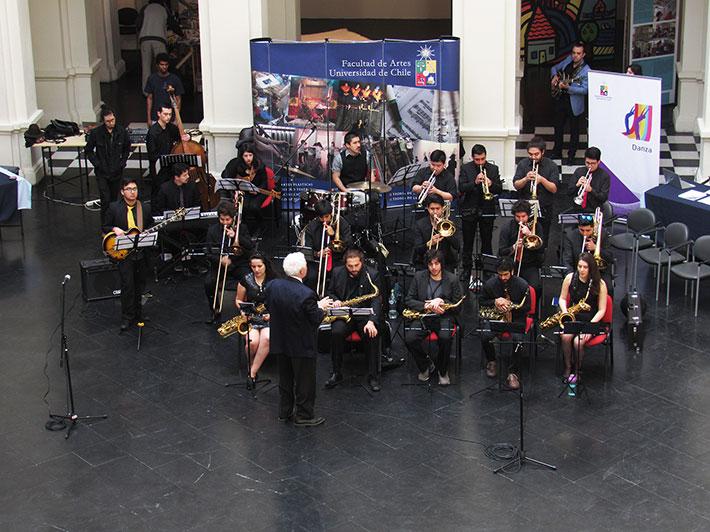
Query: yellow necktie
x,y
131,219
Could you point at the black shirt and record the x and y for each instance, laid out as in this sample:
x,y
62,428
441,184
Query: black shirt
x,y
548,169
159,142
444,181
515,289
595,197
108,152
472,201
169,196
156,85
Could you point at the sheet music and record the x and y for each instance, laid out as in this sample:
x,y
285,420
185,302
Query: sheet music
x,y
692,195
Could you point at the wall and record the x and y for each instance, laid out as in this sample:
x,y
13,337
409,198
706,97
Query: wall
x,y
378,9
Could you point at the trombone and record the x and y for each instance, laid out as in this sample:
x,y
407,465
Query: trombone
x,y
224,252
426,187
533,183
598,223
337,245
444,227
579,200
487,196
323,260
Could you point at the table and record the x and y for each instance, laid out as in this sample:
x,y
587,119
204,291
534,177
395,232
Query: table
x,y
663,200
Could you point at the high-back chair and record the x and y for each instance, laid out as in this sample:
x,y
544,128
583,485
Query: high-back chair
x,y
697,269
676,236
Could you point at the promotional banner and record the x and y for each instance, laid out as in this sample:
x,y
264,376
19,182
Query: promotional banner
x,y
625,124
400,96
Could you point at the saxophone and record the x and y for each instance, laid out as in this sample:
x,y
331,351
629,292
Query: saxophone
x,y
239,323
410,314
560,318
354,301
492,313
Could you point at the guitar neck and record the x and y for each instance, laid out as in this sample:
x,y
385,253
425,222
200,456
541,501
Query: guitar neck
x,y
178,119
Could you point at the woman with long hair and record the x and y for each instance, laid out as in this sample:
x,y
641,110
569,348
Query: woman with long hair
x,y
251,289
586,283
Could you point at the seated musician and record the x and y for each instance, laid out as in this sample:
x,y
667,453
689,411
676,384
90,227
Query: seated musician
x,y
251,289
221,249
509,295
123,215
178,192
352,164
355,280
510,244
596,191
444,183
583,240
313,238
584,284
430,289
426,236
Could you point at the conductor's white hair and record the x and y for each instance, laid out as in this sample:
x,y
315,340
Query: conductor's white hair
x,y
294,263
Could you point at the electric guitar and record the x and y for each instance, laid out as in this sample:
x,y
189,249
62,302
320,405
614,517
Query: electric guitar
x,y
108,243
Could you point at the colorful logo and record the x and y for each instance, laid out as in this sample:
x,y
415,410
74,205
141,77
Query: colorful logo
x,y
425,67
603,90
639,122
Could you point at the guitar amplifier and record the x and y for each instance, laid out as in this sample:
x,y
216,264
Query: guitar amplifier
x,y
99,279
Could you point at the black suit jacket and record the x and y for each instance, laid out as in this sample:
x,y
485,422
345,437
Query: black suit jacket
x,y
472,201
450,291
506,240
572,249
294,318
169,196
214,242
601,182
422,234
517,289
108,153
314,233
339,287
117,216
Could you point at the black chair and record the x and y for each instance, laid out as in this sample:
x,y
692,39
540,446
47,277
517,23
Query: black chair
x,y
697,269
127,17
638,224
675,237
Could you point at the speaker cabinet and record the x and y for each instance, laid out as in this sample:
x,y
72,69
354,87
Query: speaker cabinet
x,y
99,279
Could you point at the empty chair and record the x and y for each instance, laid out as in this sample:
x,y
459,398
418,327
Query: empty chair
x,y
675,237
697,269
638,223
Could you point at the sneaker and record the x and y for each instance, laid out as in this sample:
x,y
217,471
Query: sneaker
x,y
513,382
491,369
444,380
374,383
310,422
335,379
424,375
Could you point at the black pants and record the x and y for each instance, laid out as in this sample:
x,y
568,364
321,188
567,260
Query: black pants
x,y
108,192
235,273
469,225
442,327
563,115
297,386
133,272
490,350
545,222
340,329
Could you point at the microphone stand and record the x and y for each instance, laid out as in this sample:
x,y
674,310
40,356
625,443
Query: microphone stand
x,y
59,421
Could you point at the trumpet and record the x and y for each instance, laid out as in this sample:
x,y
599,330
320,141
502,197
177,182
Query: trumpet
x,y
533,183
487,196
579,199
426,188
411,314
444,227
218,297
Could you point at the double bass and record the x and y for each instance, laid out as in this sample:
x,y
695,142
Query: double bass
x,y
205,182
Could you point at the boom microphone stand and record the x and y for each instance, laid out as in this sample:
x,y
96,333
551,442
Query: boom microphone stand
x,y
59,421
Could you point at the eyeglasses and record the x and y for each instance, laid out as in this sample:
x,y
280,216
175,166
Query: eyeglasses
x,y
131,189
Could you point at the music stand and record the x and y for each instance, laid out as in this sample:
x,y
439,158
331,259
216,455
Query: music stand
x,y
167,161
565,219
248,309
402,175
578,328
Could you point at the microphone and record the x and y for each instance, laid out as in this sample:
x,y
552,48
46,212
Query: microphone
x,y
66,279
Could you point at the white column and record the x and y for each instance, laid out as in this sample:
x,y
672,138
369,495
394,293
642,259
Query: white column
x,y
490,72
66,59
704,119
690,67
18,105
104,20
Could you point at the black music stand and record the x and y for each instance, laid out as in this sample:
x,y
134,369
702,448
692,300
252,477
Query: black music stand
x,y
248,309
403,174
577,328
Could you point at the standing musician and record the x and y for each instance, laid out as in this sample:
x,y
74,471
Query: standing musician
x,y
251,289
295,314
314,237
510,244
502,292
587,284
352,280
178,192
538,177
590,184
430,289
160,140
248,166
122,216
572,98
444,183
479,182
352,163
427,237
221,248
583,240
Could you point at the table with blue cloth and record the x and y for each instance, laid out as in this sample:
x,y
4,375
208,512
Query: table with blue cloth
x,y
663,200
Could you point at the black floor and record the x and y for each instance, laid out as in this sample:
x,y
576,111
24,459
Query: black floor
x,y
180,451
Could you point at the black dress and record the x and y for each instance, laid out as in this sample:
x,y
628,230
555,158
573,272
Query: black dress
x,y
255,294
577,290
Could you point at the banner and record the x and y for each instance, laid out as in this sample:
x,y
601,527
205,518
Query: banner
x,y
625,124
401,96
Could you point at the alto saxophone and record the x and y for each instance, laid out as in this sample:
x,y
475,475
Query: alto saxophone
x,y
560,318
354,301
492,313
239,323
410,314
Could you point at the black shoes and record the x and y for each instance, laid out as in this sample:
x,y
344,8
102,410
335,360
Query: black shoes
x,y
125,324
285,419
216,319
311,422
373,383
335,379
251,384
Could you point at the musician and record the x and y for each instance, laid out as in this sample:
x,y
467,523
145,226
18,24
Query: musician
x,y
108,148
123,215
352,280
313,237
160,140
596,192
156,89
570,107
444,182
587,284
247,165
502,291
547,178
295,314
424,239
584,233
510,244
352,163
477,212
178,192
251,289
429,290
220,248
